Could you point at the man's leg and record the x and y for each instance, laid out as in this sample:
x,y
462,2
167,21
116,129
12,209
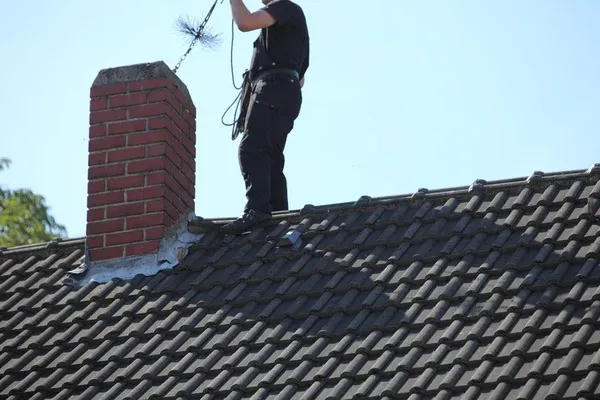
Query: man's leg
x,y
255,165
279,193
283,127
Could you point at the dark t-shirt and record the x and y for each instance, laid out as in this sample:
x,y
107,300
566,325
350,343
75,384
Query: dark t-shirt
x,y
286,41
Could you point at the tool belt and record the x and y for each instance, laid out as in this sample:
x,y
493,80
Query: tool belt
x,y
273,71
248,84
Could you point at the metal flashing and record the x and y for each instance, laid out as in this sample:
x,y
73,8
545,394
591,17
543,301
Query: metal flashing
x,y
173,247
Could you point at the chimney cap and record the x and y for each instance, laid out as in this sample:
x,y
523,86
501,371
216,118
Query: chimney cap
x,y
138,72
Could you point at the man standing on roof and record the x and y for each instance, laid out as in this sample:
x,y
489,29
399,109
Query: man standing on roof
x,y
279,62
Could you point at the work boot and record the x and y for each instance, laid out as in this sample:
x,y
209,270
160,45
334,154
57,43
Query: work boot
x,y
250,219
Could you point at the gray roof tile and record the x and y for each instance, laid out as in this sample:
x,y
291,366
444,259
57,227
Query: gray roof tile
x,y
488,294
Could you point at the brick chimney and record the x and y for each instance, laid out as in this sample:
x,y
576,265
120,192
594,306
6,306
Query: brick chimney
x,y
141,174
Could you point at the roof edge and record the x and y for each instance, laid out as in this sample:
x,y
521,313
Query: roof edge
x,y
536,177
52,244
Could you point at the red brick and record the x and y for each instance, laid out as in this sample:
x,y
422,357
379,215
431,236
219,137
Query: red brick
x,y
98,117
174,158
156,150
191,121
159,95
164,122
148,193
156,178
94,241
107,253
181,124
189,146
95,200
98,104
94,228
111,142
152,164
124,210
97,186
181,151
125,237
142,248
97,131
180,178
171,112
95,214
125,182
183,99
174,186
119,128
135,139
149,110
164,95
125,100
156,205
164,149
105,90
155,233
143,221
179,205
97,158
187,198
163,177
148,84
129,153
172,212
190,161
104,171
187,171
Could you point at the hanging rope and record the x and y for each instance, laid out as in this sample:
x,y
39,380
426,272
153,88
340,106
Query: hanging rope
x,y
242,98
200,34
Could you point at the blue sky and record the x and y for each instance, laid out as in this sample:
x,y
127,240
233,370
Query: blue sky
x,y
400,94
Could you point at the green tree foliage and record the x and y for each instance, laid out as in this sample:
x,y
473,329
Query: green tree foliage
x,y
25,217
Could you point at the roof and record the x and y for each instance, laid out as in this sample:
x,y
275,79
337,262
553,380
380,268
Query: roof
x,y
484,291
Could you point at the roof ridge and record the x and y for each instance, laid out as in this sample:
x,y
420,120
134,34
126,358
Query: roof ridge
x,y
363,200
43,246
424,193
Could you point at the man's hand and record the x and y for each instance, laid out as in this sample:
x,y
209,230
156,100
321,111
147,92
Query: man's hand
x,y
247,21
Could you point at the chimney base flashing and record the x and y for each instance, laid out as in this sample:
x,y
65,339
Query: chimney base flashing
x,y
173,246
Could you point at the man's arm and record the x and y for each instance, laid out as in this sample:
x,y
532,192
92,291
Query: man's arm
x,y
248,21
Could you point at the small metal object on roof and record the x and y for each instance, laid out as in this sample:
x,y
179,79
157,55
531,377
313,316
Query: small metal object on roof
x,y
81,267
308,208
420,193
477,185
594,169
536,176
290,238
363,200
53,243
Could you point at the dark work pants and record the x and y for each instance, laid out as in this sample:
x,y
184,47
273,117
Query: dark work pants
x,y
273,107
